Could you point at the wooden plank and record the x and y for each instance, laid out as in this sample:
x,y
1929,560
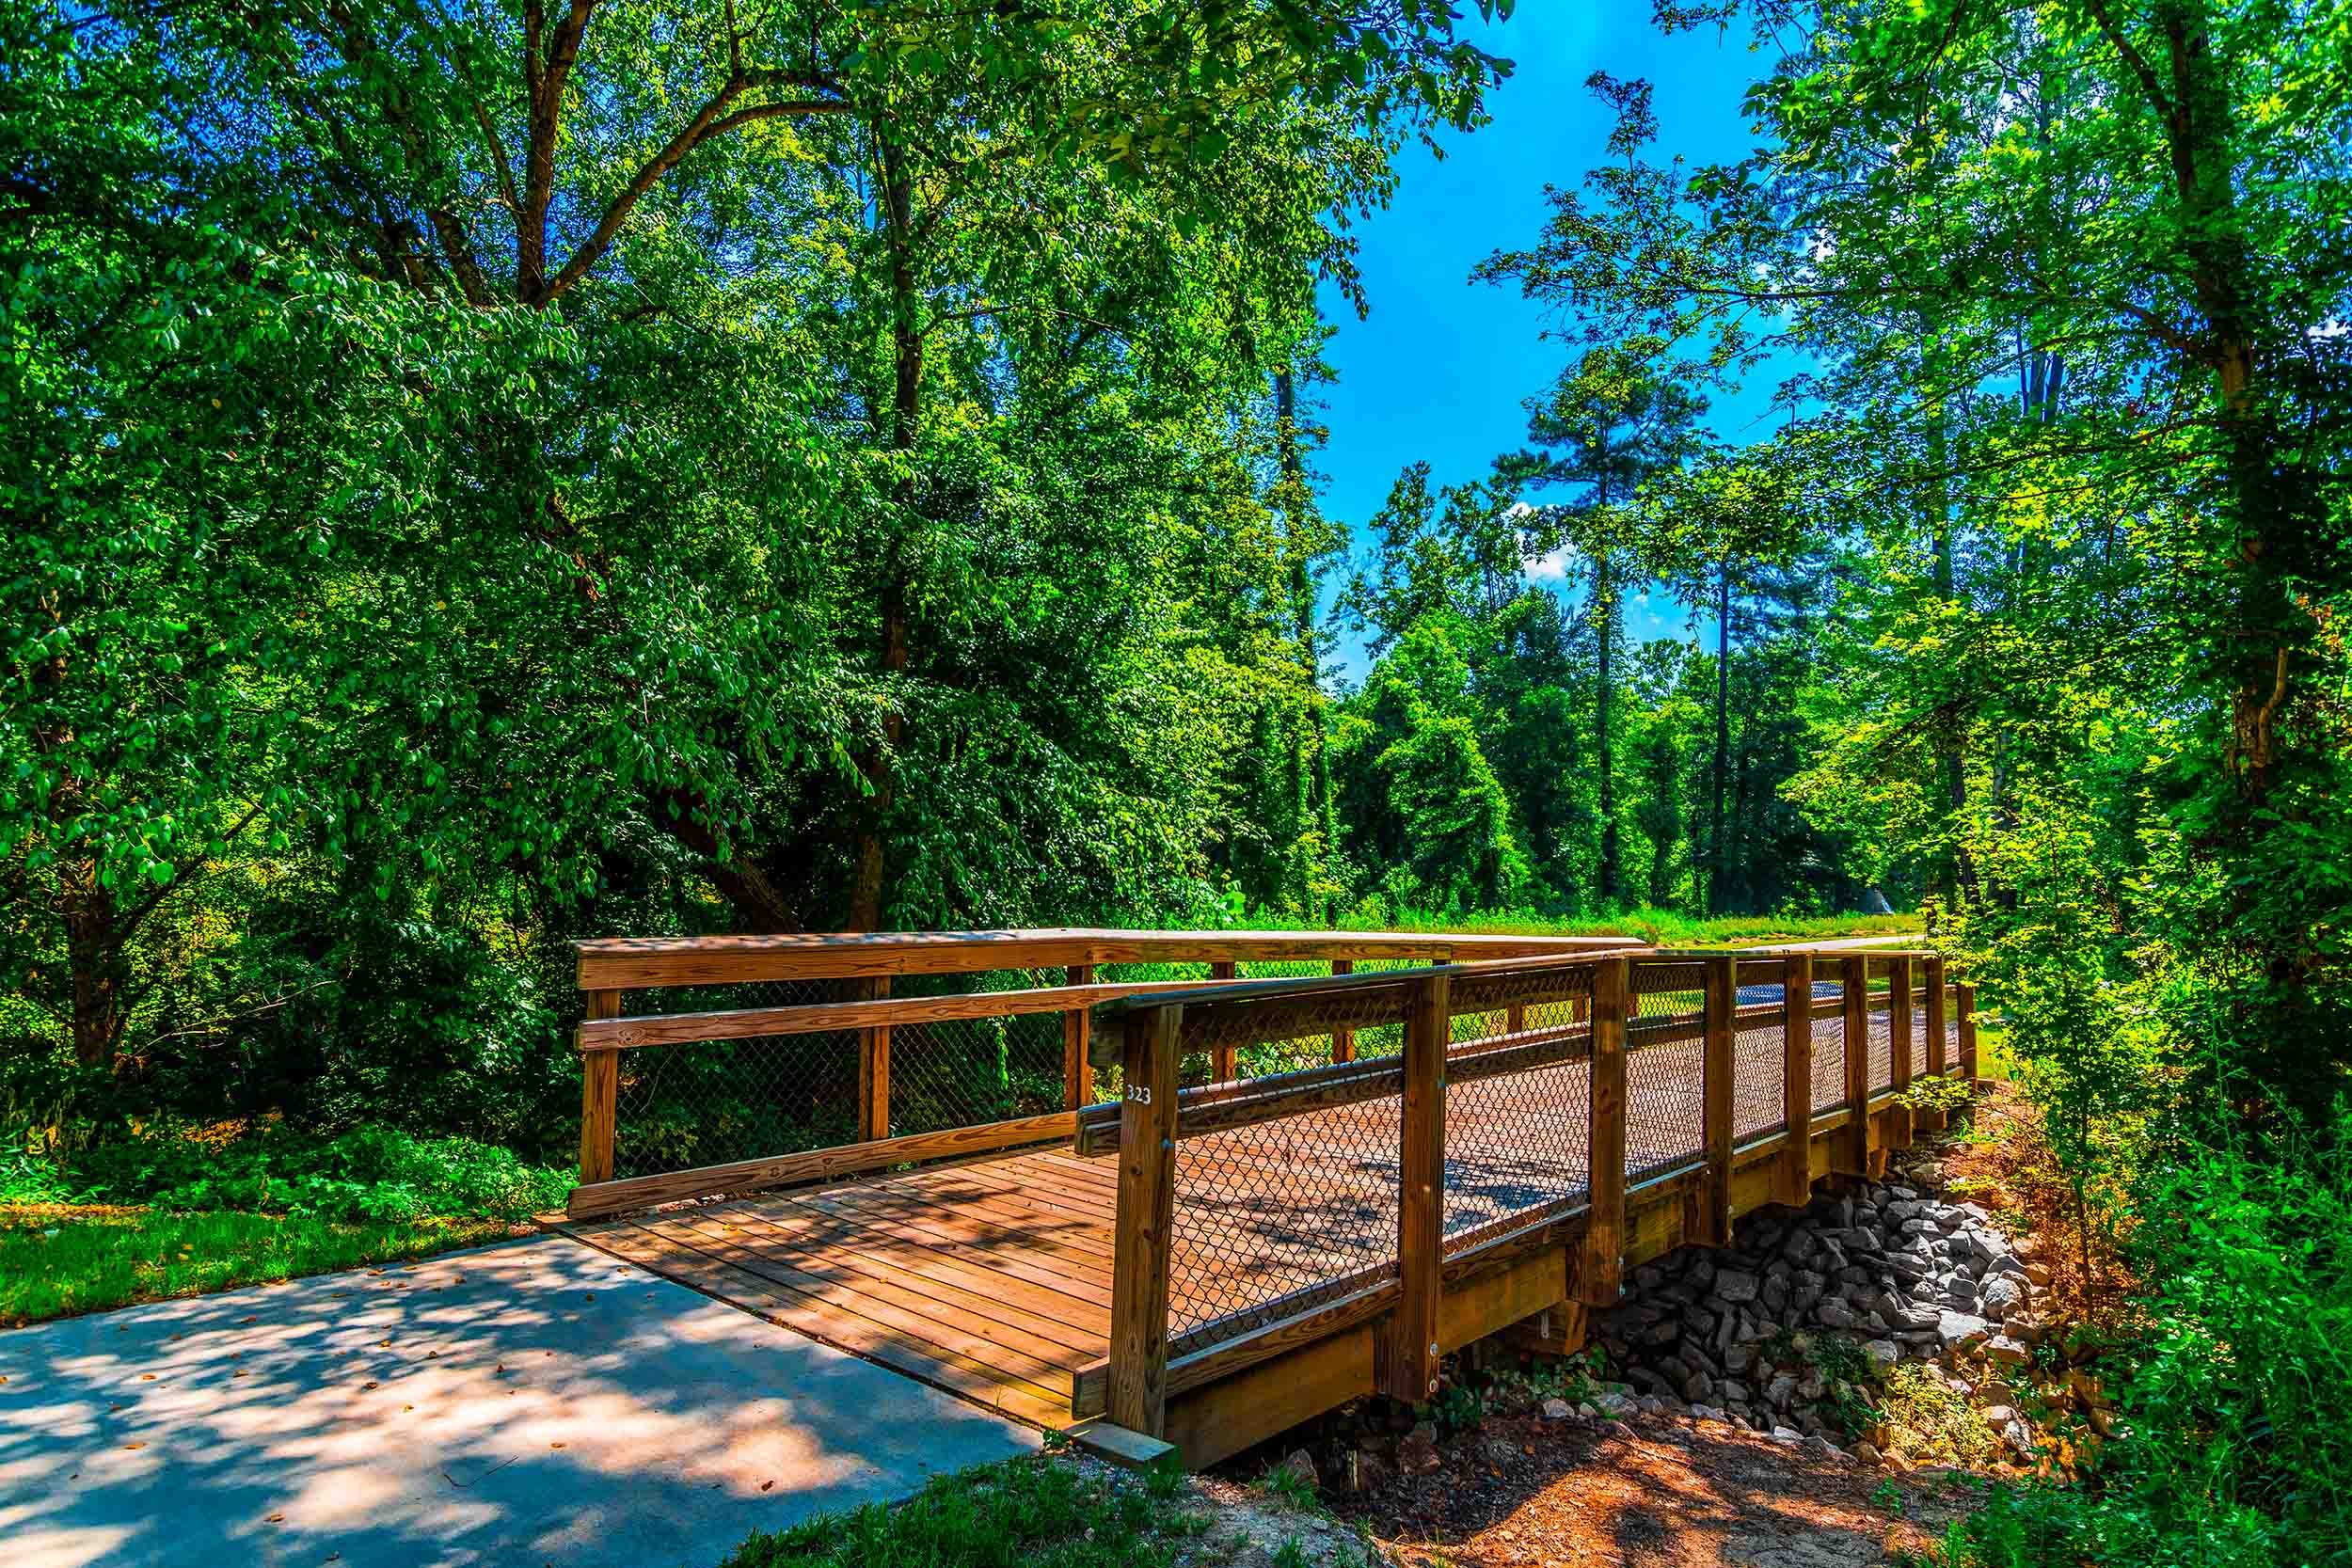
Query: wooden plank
x,y
1077,1075
1222,1418
1035,1262
1408,1348
1212,1108
1796,1081
982,1385
990,1340
1932,984
1143,1234
599,1096
1221,1059
822,1018
1899,1039
1188,1369
1493,1300
1342,1039
1852,1156
1128,1449
1964,998
1599,1271
1718,1076
873,1070
597,1200
638,962
1072,1249
846,1243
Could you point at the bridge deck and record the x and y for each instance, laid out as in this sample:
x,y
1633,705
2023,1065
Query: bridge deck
x,y
992,1278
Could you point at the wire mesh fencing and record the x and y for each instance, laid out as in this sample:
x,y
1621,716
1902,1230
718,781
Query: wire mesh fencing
x,y
721,1100
1518,1144
1759,1050
717,1101
1664,1069
1282,1217
1829,1045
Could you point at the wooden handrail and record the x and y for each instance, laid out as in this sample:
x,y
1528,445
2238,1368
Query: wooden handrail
x,y
631,963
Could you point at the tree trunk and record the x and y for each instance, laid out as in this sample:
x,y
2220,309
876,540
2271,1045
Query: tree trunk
x,y
1310,750
94,958
1716,850
871,874
1605,607
1952,878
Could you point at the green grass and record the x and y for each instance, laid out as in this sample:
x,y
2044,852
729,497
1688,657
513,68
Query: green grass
x,y
57,1262
1035,1513
1671,928
140,1211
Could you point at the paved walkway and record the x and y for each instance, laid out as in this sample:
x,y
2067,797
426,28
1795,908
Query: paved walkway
x,y
535,1403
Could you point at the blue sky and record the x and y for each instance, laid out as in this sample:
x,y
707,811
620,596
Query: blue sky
x,y
1439,368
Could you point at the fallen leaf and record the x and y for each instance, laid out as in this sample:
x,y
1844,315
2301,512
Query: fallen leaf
x,y
365,1386
767,1486
275,1519
135,1445
555,1445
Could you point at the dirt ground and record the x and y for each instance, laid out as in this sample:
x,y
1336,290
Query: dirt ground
x,y
1662,1492
1527,1492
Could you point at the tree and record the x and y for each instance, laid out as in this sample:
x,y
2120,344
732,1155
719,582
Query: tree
x,y
1609,426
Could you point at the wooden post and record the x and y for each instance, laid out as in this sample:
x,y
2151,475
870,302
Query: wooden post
x,y
1899,1039
1515,1018
1931,982
1600,1267
1406,1356
1796,996
1136,1397
1077,1076
1222,1059
1853,990
873,1070
1721,1002
1966,998
1342,1040
599,1096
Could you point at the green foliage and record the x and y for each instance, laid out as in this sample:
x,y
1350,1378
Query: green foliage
x,y
55,1264
367,1174
1023,1514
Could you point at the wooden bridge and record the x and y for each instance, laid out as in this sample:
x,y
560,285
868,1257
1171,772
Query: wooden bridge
x,y
1257,1196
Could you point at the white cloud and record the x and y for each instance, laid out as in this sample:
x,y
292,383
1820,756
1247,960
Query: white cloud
x,y
1552,567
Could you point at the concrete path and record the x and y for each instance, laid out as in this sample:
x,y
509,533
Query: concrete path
x,y
535,1403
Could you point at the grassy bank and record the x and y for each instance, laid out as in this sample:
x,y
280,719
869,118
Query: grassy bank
x,y
166,1209
58,1261
1671,928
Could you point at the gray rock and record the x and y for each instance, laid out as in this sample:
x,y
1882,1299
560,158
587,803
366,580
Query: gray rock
x,y
2002,1294
1734,1286
1960,1330
2008,1351
1557,1410
1882,1351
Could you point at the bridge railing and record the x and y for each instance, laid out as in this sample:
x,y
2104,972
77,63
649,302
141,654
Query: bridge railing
x,y
1529,1102
727,1064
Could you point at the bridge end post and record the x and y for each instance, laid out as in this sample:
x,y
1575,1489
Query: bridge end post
x,y
1143,1230
1600,1271
599,1096
1796,998
1853,991
1899,1042
1405,1359
1721,994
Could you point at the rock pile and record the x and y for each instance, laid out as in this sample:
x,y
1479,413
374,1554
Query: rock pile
x,y
1744,1333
